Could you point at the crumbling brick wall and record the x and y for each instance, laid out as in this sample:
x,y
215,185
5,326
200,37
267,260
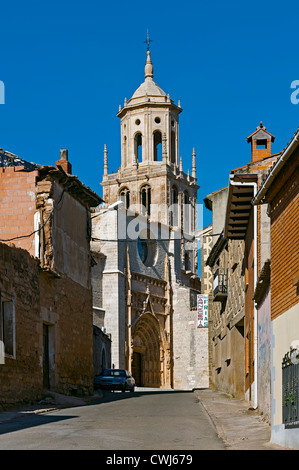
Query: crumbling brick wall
x,y
53,289
17,201
21,374
66,307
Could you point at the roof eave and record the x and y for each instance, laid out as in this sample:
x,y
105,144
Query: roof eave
x,y
72,185
239,205
260,197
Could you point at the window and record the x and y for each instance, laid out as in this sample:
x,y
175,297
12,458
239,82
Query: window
x,y
261,143
142,249
186,198
145,200
157,146
147,248
173,152
7,326
187,212
125,197
187,262
125,149
290,392
115,373
193,299
174,210
138,147
220,285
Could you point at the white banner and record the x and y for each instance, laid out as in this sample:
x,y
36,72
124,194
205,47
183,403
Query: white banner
x,y
2,354
202,310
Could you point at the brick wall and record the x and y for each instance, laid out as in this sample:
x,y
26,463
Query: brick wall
x,y
21,375
258,154
285,246
66,307
60,299
17,201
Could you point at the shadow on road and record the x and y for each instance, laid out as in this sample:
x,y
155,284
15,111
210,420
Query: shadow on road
x,y
29,421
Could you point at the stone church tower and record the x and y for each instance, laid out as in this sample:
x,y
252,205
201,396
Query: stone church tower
x,y
145,278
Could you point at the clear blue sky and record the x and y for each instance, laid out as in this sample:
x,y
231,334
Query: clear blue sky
x,y
67,66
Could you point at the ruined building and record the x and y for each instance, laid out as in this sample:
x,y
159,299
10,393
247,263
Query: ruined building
x,y
45,280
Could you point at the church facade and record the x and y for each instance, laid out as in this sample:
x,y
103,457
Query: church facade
x,y
145,273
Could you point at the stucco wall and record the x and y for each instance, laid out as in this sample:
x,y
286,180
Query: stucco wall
x,y
284,330
264,356
190,344
70,238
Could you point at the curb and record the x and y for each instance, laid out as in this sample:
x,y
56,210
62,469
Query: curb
x,y
219,429
239,427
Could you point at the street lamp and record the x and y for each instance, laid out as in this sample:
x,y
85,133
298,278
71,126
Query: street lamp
x,y
113,206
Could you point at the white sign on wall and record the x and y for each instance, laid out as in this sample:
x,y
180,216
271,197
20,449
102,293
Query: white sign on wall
x,y
2,355
202,310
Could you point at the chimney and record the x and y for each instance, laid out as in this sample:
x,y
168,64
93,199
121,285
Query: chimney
x,y
260,141
63,163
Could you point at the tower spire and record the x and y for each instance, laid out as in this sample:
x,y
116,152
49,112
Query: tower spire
x,y
149,69
105,162
181,165
193,164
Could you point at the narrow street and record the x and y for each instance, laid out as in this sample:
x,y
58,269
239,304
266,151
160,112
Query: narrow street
x,y
145,420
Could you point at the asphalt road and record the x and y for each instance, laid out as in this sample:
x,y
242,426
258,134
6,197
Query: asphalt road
x,y
145,420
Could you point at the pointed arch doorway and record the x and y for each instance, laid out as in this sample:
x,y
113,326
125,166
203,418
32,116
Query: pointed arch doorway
x,y
150,352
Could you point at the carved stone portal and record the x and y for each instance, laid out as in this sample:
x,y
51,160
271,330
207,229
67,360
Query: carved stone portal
x,y
149,364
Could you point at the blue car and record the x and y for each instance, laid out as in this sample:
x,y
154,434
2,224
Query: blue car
x,y
115,379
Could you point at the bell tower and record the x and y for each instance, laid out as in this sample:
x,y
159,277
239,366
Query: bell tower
x,y
149,125
150,273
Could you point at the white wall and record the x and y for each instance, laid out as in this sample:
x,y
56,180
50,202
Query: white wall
x,y
284,330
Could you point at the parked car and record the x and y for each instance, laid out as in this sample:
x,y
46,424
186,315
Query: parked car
x,y
115,379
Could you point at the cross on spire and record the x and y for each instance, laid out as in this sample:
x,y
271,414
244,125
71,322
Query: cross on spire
x,y
148,41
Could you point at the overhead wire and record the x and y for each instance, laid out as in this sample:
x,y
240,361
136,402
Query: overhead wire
x,y
40,228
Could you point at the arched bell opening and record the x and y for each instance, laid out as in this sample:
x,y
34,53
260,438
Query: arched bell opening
x,y
138,147
157,141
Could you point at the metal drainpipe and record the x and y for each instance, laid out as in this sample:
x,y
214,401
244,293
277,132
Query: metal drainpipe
x,y
255,349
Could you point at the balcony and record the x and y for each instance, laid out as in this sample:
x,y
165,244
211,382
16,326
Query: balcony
x,y
220,285
290,390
